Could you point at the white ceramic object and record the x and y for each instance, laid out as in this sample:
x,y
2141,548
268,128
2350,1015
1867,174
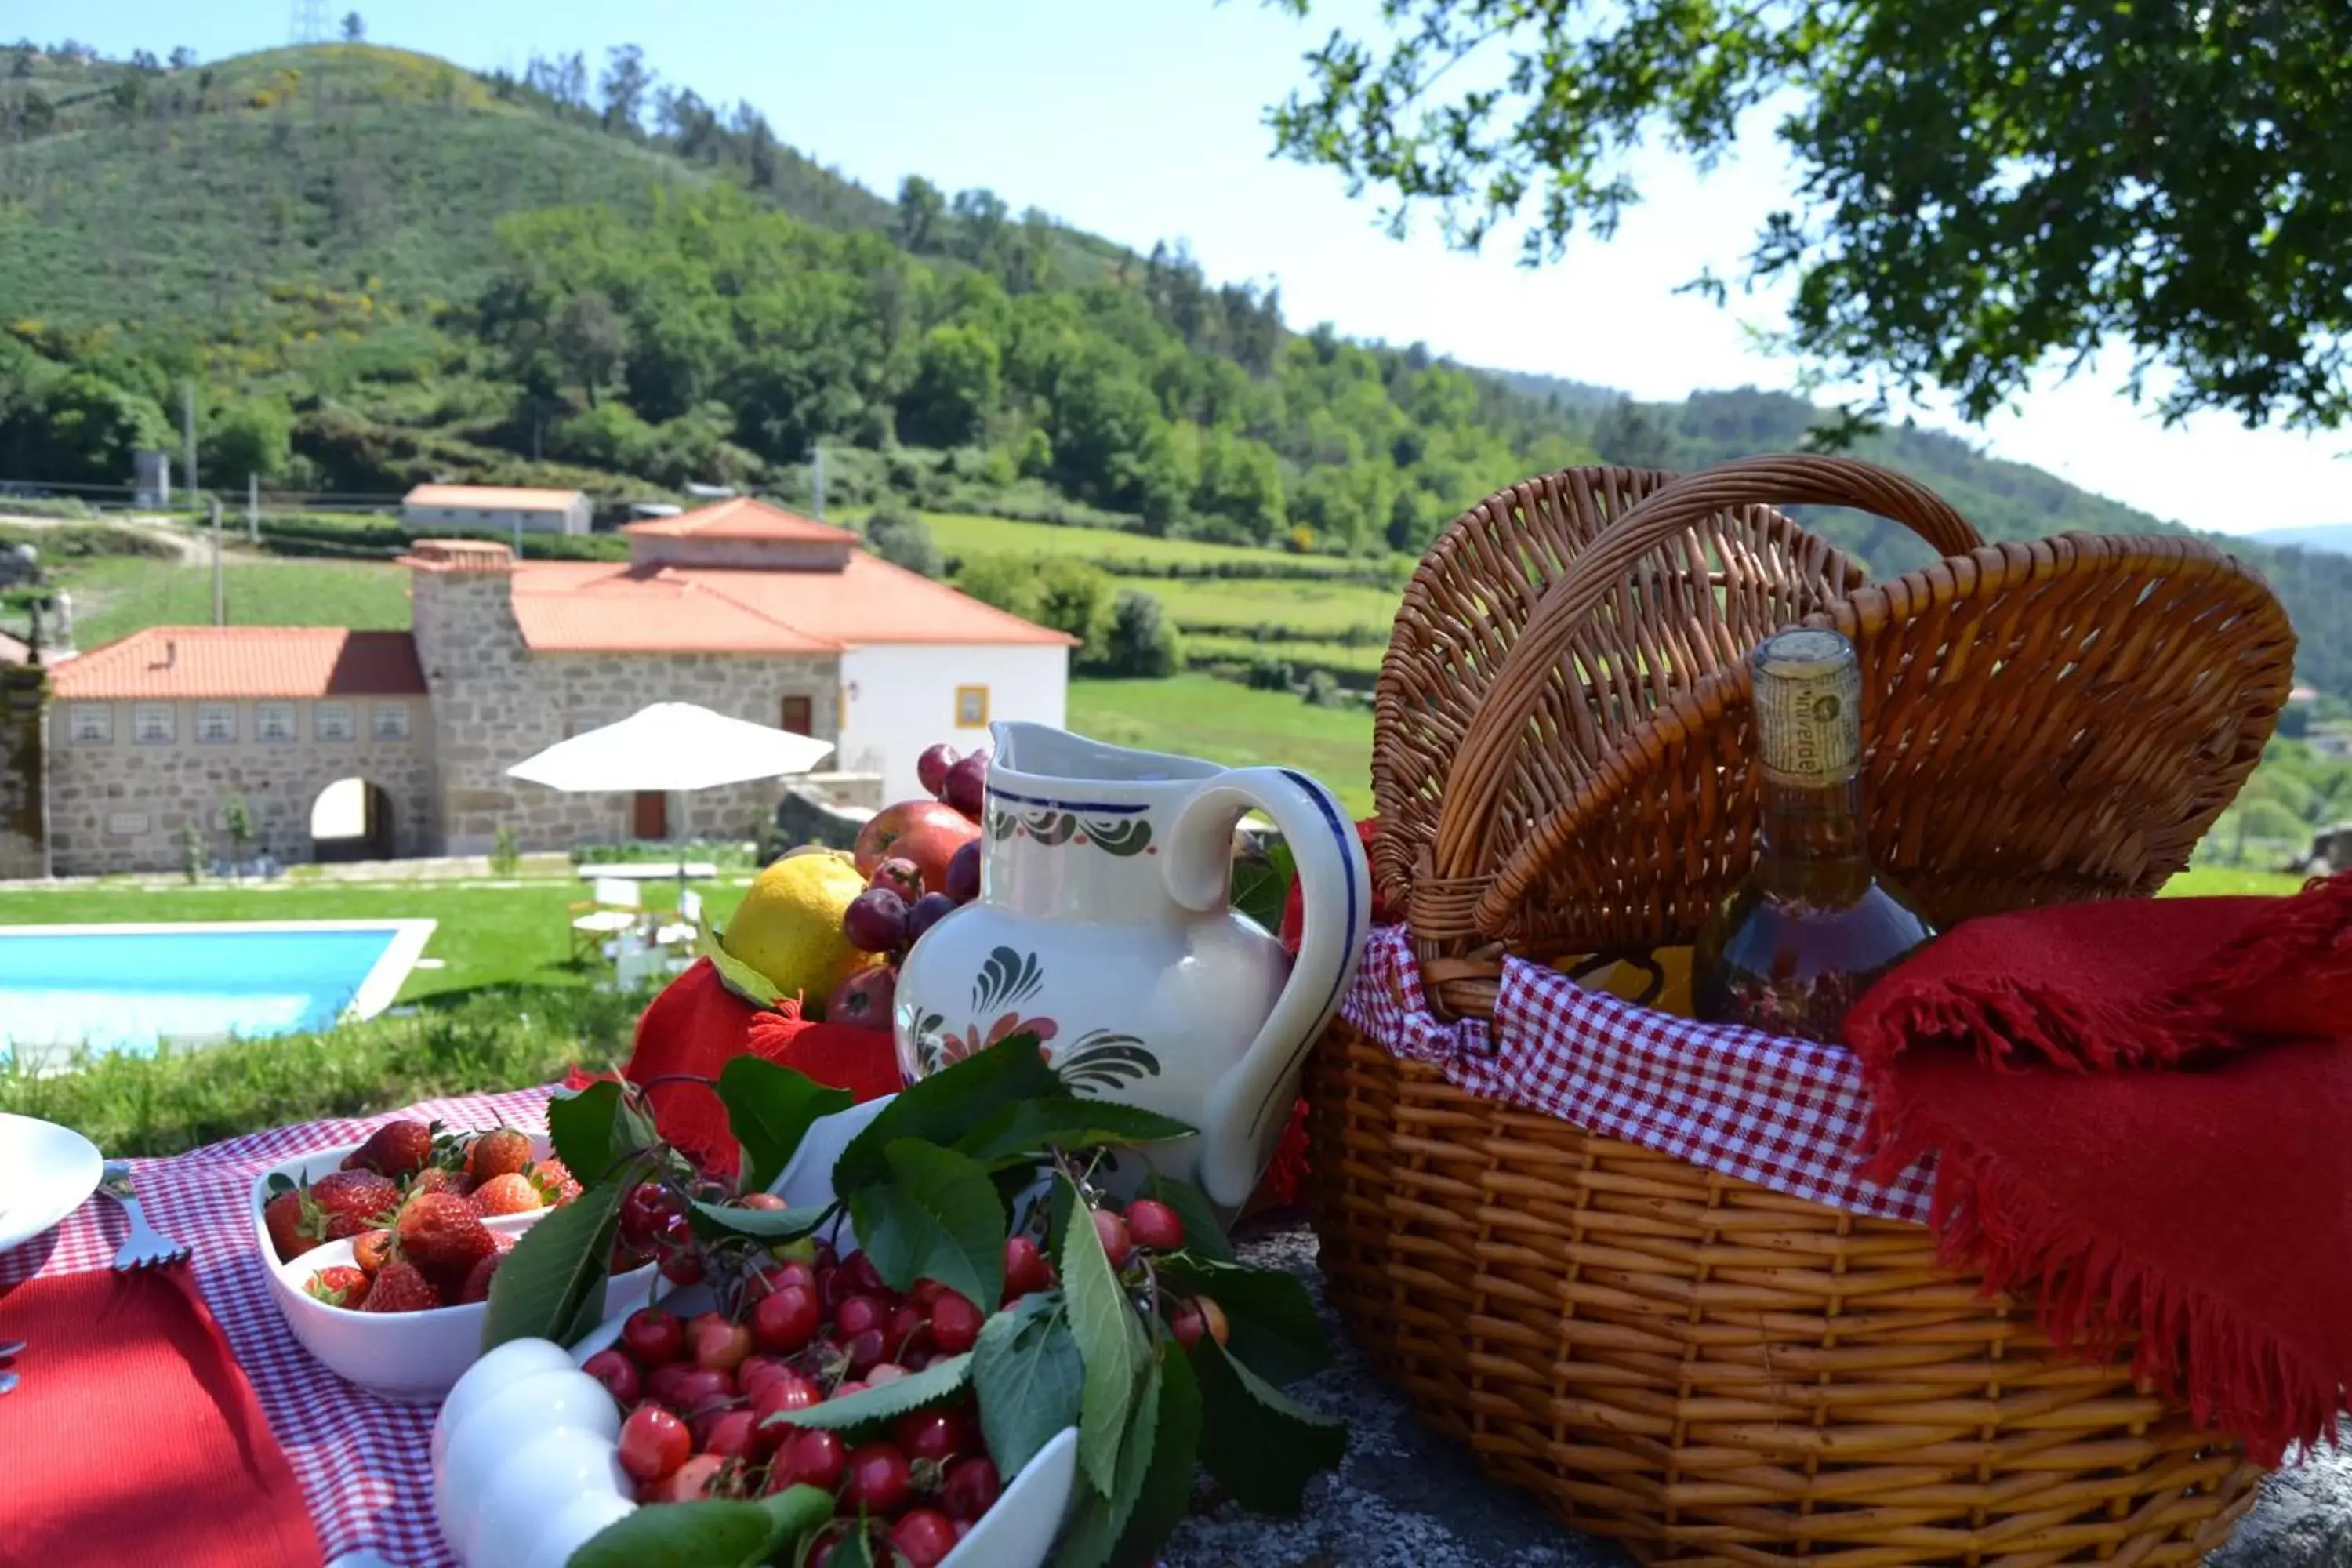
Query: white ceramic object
x,y
46,1173
1105,923
411,1358
537,1509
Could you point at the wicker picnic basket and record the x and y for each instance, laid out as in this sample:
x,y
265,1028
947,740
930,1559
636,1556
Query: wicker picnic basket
x,y
1712,1371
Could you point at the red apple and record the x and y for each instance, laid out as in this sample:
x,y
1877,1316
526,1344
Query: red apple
x,y
864,999
880,839
931,845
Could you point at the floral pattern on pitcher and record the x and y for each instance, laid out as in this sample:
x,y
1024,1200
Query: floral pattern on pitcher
x,y
1100,1059
1053,827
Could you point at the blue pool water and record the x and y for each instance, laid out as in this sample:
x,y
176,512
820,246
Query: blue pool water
x,y
124,991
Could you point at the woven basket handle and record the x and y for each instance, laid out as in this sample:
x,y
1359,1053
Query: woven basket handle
x,y
1491,750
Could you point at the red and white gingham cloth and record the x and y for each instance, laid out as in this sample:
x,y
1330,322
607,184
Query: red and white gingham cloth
x,y
1784,1115
363,1462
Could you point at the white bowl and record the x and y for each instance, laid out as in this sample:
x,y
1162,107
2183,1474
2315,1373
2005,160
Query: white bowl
x,y
409,1357
567,1506
310,1167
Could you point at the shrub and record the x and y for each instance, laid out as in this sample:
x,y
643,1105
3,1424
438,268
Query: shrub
x,y
505,857
1269,674
1138,642
1322,690
899,536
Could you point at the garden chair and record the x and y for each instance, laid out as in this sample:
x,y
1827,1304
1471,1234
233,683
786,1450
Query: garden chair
x,y
611,908
687,927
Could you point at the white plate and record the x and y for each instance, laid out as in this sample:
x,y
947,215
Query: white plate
x,y
45,1172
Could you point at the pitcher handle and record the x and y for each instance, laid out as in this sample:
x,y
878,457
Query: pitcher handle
x,y
1241,1114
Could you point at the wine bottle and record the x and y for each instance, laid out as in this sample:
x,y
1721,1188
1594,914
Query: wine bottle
x,y
1815,923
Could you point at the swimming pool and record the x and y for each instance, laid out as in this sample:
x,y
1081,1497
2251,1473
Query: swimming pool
x,y
128,988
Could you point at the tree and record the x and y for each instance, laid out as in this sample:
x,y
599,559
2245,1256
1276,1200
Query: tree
x,y
256,437
1139,643
920,209
899,536
1075,596
958,379
79,427
626,83
1631,436
1007,581
590,339
236,820
1982,189
354,28
184,58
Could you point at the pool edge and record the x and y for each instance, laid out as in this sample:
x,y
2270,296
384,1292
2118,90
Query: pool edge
x,y
392,967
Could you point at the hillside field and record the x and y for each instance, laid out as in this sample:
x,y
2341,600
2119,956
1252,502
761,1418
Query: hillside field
x,y
116,596
1200,716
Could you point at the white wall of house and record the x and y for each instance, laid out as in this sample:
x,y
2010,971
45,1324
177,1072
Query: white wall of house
x,y
897,700
495,522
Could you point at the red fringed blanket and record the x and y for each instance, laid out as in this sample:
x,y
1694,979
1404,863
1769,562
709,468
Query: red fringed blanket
x,y
2142,1115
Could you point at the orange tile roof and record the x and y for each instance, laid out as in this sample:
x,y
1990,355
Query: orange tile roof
x,y
492,498
168,664
742,518
582,606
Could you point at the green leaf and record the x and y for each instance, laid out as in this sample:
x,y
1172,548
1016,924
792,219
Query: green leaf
x,y
595,1131
1025,1129
1203,1236
1110,1344
1103,1516
939,1218
914,1391
714,1533
1262,883
857,1550
769,1110
945,1107
1026,1372
1272,1318
733,973
1261,1446
556,1272
761,1224
1167,1487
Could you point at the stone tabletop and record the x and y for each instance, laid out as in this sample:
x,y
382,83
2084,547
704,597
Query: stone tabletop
x,y
1406,1497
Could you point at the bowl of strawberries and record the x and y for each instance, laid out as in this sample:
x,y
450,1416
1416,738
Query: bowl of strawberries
x,y
380,1253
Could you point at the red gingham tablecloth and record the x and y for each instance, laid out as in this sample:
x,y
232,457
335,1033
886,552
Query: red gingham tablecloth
x,y
363,1462
1784,1115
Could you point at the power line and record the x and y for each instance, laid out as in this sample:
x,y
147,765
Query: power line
x,y
309,26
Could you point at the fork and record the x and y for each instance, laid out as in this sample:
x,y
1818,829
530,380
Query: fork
x,y
145,1247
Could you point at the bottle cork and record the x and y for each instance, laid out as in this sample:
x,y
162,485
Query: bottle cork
x,y
1807,696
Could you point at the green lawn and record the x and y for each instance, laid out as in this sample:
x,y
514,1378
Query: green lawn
x,y
488,936
2206,881
1364,657
116,596
960,533
1203,717
1253,602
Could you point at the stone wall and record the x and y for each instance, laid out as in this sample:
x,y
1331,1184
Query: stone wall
x,y
118,805
495,702
23,813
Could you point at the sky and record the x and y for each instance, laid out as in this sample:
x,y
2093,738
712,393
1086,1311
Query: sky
x,y
1143,119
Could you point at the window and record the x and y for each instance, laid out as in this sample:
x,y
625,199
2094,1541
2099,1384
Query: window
x,y
389,721
332,721
151,725
972,708
92,724
799,716
273,721
215,721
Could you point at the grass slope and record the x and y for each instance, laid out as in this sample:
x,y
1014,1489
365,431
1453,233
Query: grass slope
x,y
115,597
1202,717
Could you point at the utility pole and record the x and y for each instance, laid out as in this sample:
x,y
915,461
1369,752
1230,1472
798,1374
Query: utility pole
x,y
188,431
220,582
253,509
816,479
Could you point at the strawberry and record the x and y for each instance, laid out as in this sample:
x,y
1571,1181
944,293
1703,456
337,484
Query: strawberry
x,y
341,1286
283,1217
477,1278
443,1236
399,1287
397,1149
369,1251
502,1153
438,1179
352,1202
554,1181
510,1194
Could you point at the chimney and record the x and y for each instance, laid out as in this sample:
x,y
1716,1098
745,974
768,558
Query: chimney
x,y
171,652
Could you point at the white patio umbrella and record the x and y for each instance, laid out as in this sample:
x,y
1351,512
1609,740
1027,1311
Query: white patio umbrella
x,y
671,747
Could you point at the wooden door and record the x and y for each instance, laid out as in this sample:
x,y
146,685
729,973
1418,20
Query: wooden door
x,y
649,815
799,716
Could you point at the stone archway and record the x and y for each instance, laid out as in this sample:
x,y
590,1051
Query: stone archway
x,y
351,819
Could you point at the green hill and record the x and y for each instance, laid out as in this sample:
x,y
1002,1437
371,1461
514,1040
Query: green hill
x,y
380,267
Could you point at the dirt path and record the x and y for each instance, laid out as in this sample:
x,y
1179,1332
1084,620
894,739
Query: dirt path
x,y
190,546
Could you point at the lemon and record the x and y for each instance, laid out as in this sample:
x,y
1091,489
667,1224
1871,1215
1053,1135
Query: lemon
x,y
788,926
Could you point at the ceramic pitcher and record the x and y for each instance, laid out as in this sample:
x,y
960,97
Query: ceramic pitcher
x,y
1105,926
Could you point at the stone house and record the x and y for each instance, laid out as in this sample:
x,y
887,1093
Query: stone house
x,y
403,738
498,511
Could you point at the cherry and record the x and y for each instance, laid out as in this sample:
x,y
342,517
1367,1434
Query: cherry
x,y
786,1321
734,1435
661,1383
1116,1242
756,1373
858,1313
853,1385
618,1373
971,1488
692,1479
762,1201
791,1271
955,1324
683,1267
931,767
652,1336
1189,1319
721,1346
863,1276
1155,1226
810,1457
788,1390
825,1257
1024,1272
878,1480
909,1327
932,1435
646,1211
883,1372
923,1537
701,1389
653,1443
865,1350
